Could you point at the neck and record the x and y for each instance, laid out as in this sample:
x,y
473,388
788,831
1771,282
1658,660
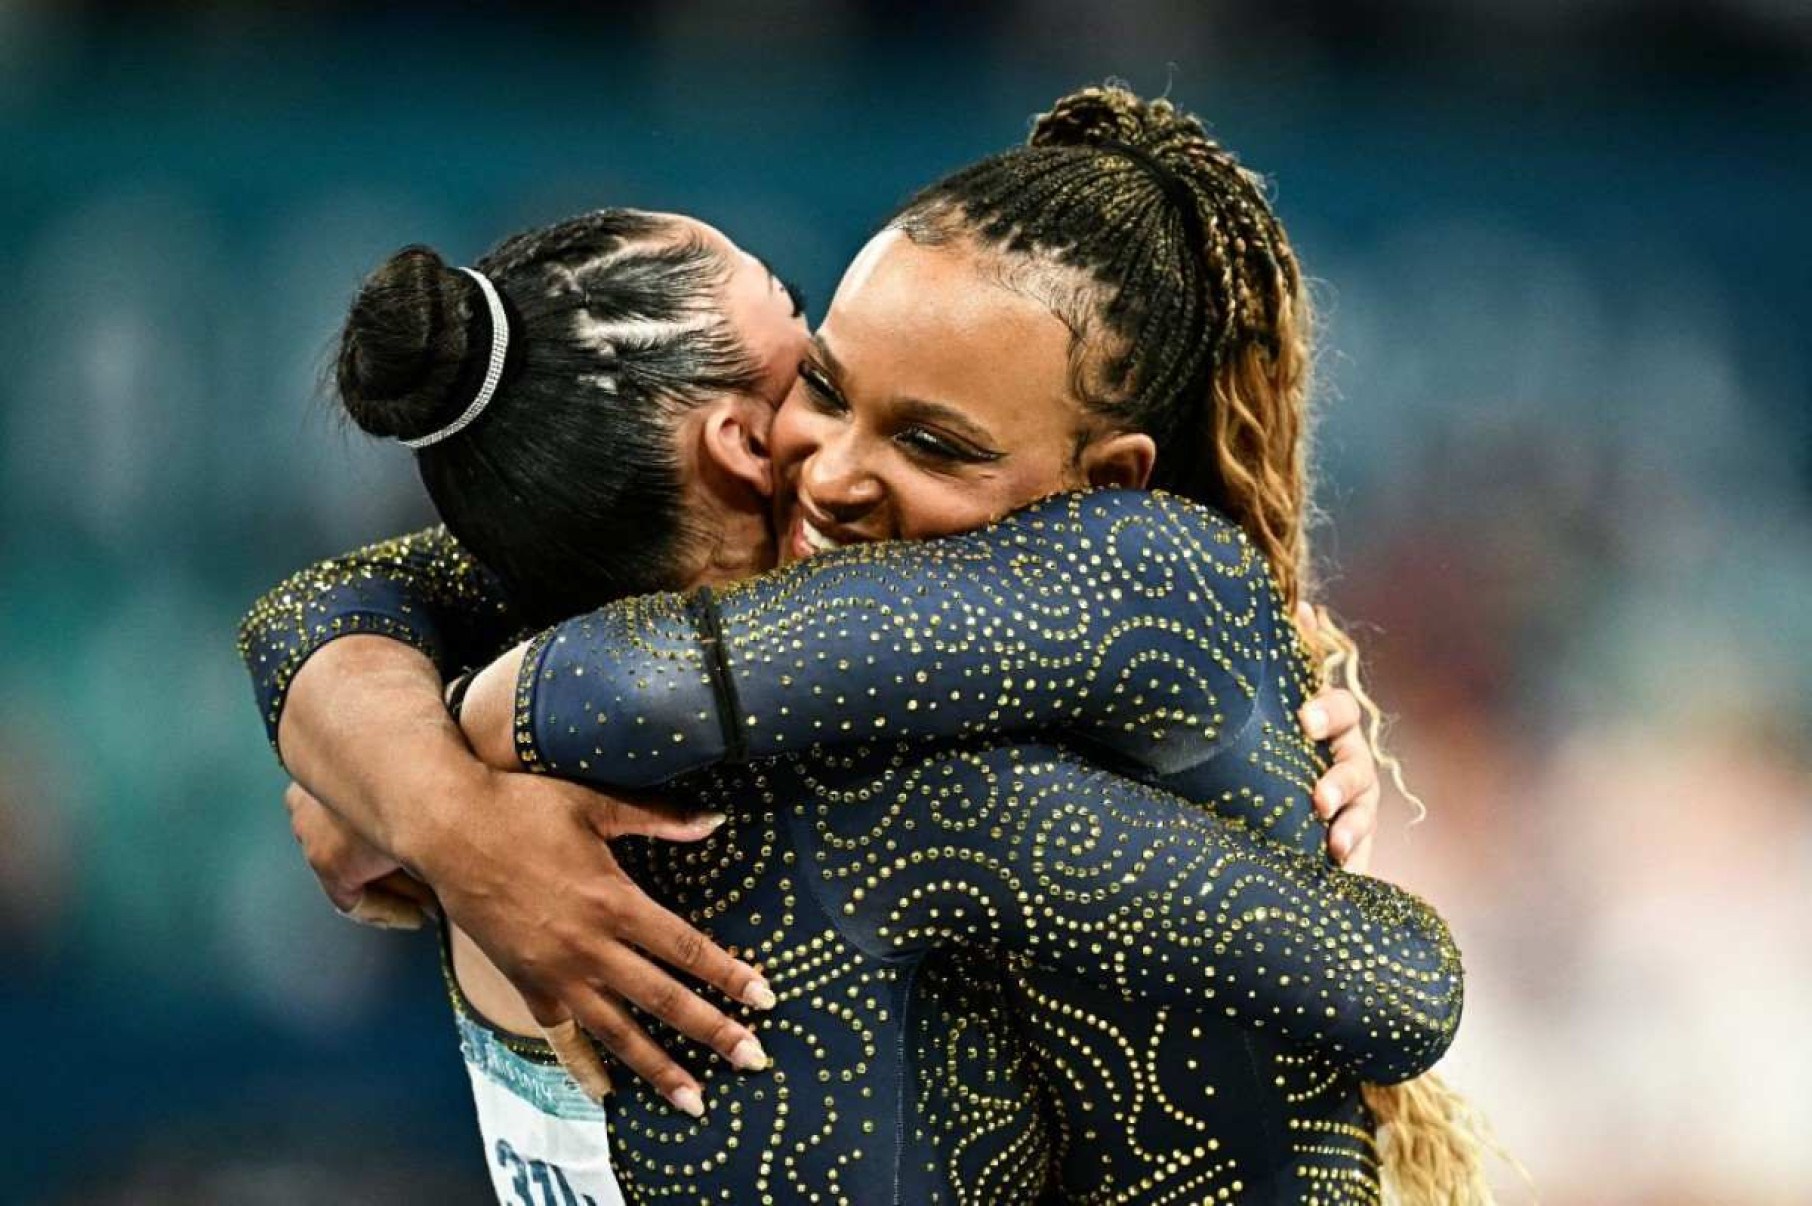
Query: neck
x,y
727,507
732,557
736,537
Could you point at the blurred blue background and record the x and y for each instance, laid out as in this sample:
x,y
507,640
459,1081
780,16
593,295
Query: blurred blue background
x,y
1564,272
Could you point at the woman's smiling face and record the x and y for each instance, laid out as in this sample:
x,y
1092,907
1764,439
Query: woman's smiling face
x,y
934,399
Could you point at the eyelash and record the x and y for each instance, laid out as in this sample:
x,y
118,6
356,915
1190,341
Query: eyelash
x,y
931,446
918,441
818,385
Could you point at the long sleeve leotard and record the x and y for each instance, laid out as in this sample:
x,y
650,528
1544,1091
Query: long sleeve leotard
x,y
1263,979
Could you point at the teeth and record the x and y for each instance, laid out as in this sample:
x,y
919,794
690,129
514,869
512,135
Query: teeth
x,y
817,541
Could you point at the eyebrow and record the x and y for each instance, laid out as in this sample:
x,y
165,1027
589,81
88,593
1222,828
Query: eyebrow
x,y
918,408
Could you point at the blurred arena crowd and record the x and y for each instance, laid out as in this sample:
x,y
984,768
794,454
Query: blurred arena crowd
x,y
1565,464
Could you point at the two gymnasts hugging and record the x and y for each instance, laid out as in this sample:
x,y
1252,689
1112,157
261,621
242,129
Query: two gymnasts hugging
x,y
924,714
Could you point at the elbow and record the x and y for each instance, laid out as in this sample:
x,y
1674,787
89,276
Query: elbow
x,y
269,665
1424,1026
1446,1019
253,635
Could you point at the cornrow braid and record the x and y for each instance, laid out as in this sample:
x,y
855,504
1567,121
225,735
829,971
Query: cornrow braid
x,y
1198,333
1194,328
618,328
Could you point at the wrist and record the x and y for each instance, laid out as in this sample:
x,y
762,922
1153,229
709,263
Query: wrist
x,y
487,715
424,811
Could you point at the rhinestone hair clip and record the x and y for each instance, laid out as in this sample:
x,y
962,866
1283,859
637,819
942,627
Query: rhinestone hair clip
x,y
493,373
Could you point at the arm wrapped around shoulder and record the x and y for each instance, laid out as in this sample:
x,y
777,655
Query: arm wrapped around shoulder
x,y
1140,622
423,589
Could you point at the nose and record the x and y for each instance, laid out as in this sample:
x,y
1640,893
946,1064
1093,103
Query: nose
x,y
836,480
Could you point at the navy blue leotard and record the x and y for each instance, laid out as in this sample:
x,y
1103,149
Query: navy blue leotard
x,y
1011,960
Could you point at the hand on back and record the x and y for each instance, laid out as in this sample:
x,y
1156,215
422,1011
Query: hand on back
x,y
1347,796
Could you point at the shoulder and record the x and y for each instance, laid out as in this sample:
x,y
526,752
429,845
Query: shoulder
x,y
1153,533
1110,509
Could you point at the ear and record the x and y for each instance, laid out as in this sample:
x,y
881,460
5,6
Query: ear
x,y
1122,460
735,438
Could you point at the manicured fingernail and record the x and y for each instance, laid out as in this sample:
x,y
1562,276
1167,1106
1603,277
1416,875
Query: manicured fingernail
x,y
1333,797
749,1056
759,995
689,1100
711,821
1315,720
1339,847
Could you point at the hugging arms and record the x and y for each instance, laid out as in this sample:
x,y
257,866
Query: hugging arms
x,y
1041,625
1113,305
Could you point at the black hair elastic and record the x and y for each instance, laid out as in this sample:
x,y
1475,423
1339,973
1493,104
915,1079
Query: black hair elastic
x,y
717,668
1182,199
477,380
479,334
1181,196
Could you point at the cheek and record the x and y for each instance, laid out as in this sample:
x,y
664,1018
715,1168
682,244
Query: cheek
x,y
928,505
781,362
931,505
789,438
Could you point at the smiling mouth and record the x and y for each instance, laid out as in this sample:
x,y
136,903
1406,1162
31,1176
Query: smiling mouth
x,y
813,539
804,538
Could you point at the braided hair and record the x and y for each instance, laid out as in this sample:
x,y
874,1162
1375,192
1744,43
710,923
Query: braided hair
x,y
617,329
1190,323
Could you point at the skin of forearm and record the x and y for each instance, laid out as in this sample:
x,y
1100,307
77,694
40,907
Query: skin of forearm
x,y
488,715
365,731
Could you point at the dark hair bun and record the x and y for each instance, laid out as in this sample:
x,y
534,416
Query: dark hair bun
x,y
404,344
1113,113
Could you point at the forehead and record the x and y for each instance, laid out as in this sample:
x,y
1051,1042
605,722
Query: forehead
x,y
735,259
757,307
940,322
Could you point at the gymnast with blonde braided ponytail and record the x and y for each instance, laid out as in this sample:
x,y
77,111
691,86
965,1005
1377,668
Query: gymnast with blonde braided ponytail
x,y
1142,1013
1202,336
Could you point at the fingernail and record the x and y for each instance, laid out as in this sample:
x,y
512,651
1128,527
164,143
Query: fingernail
x,y
711,821
748,1055
1338,846
1315,720
689,1100
759,995
1334,797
